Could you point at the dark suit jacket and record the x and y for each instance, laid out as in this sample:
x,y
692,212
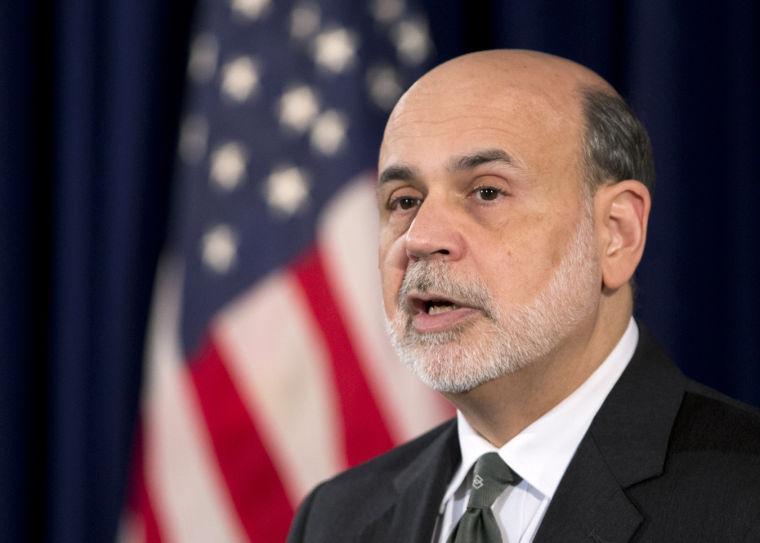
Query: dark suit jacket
x,y
665,460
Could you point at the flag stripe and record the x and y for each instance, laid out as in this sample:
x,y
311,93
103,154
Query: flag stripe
x,y
277,357
180,472
253,484
364,429
347,236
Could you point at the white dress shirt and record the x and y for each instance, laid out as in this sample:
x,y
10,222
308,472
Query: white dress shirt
x,y
539,454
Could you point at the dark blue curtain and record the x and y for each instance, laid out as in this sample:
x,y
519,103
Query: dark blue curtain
x,y
90,94
117,71
20,235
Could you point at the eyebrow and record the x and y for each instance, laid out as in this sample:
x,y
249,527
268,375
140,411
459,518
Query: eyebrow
x,y
468,162
402,172
397,172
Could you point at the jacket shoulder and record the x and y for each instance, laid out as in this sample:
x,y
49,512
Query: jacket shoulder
x,y
708,488
383,468
353,498
711,421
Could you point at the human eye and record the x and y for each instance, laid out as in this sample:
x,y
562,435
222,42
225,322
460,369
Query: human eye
x,y
488,193
403,202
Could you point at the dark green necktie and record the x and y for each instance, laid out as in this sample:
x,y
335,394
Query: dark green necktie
x,y
478,525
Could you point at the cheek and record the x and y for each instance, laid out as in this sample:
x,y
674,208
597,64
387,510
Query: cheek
x,y
391,283
389,300
516,269
392,260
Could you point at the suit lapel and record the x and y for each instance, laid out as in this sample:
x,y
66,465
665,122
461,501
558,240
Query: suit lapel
x,y
589,507
626,444
411,516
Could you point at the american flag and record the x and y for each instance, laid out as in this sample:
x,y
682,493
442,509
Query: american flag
x,y
268,369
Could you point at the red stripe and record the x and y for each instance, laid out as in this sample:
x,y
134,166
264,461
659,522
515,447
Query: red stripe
x,y
254,487
140,503
366,434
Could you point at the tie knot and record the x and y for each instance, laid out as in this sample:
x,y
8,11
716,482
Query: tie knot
x,y
490,477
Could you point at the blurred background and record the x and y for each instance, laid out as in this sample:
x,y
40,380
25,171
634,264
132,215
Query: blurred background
x,y
189,337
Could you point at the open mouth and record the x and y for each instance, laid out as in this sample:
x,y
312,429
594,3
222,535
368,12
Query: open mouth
x,y
434,313
436,307
432,304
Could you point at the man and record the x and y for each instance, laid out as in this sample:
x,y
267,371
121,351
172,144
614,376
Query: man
x,y
514,193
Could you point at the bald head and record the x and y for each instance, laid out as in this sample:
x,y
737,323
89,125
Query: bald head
x,y
559,98
541,68
487,75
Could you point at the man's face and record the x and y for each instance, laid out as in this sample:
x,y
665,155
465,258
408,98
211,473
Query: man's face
x,y
487,249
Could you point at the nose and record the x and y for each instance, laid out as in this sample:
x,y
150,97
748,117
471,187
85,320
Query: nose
x,y
433,234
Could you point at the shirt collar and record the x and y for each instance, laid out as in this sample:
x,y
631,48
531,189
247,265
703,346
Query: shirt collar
x,y
541,452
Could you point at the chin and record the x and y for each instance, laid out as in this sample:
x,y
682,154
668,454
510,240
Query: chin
x,y
458,360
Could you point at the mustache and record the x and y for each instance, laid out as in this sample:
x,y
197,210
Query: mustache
x,y
434,276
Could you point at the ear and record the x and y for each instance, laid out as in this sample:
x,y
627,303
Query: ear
x,y
622,212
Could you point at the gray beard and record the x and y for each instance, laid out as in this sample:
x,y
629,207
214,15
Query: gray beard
x,y
510,340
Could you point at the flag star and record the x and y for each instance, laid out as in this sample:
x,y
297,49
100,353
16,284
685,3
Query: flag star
x,y
240,78
204,52
304,20
298,107
335,50
384,84
287,190
193,138
387,10
228,164
412,41
250,9
219,247
329,132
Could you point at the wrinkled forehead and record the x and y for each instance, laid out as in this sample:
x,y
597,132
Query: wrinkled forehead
x,y
523,116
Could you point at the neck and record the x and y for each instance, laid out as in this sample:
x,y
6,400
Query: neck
x,y
503,407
